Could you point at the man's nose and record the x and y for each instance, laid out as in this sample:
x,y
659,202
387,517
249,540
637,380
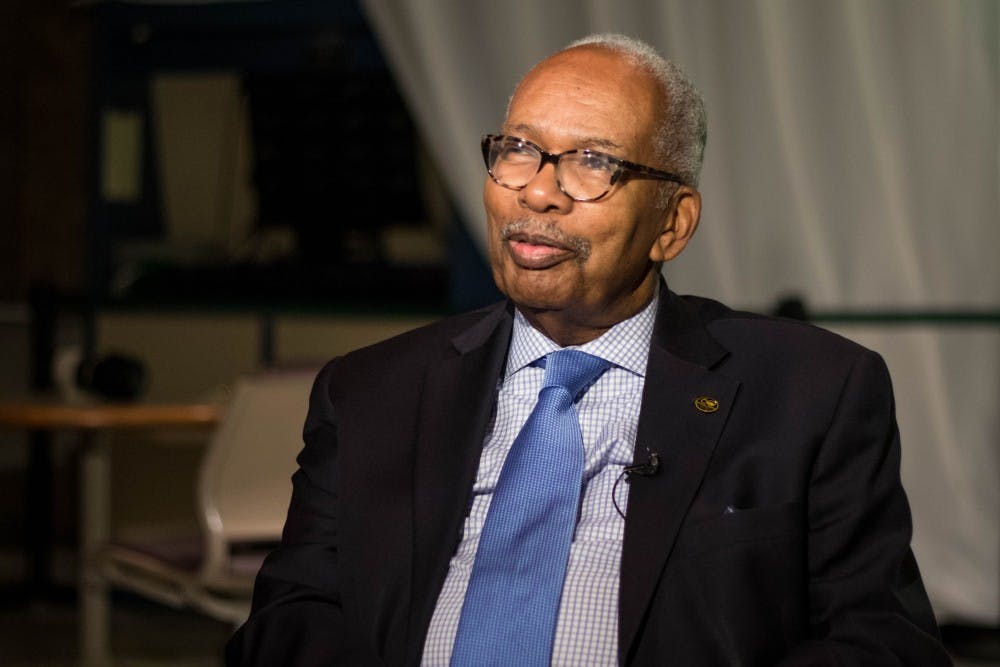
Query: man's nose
x,y
542,193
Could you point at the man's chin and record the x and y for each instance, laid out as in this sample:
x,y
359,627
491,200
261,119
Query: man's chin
x,y
536,290
533,302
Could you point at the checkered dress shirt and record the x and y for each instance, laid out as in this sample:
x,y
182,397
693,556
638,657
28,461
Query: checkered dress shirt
x,y
587,629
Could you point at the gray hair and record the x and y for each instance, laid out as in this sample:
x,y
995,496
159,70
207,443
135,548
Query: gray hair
x,y
683,126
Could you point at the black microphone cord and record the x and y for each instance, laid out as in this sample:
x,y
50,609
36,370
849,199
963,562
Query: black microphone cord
x,y
647,469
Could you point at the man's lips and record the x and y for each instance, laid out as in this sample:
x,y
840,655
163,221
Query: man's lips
x,y
535,251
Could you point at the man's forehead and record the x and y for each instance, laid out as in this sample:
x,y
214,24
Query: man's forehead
x,y
531,131
585,97
590,64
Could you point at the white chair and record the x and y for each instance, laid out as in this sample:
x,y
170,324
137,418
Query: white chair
x,y
244,487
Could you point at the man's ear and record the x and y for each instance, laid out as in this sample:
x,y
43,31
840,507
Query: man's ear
x,y
680,221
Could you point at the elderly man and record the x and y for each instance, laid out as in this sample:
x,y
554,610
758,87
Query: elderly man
x,y
597,471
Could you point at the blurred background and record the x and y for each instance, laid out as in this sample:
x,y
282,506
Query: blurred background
x,y
194,194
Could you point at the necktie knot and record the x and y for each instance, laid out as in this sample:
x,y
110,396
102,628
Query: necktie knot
x,y
573,370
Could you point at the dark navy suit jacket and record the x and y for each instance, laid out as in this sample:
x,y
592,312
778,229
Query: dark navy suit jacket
x,y
776,530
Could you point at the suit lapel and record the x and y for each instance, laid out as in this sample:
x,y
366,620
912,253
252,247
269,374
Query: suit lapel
x,y
458,400
681,356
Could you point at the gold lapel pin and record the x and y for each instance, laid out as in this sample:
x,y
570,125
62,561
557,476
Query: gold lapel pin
x,y
706,404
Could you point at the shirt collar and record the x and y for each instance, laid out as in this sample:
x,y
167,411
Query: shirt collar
x,y
626,344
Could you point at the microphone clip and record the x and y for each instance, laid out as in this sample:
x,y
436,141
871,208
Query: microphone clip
x,y
647,469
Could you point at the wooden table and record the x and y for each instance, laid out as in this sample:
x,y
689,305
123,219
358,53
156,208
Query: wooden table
x,y
94,422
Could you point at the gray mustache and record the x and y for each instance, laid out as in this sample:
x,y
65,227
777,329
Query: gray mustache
x,y
579,245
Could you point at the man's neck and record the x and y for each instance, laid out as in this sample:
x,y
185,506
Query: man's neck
x,y
565,329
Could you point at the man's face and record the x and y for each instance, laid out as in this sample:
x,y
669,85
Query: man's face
x,y
580,265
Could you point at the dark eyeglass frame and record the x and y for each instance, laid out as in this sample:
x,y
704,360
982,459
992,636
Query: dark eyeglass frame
x,y
622,167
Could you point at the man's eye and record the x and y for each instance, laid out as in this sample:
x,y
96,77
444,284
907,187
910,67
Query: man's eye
x,y
518,152
594,162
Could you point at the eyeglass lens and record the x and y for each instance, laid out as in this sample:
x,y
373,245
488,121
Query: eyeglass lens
x,y
581,175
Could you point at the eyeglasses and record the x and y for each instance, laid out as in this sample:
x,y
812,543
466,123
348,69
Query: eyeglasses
x,y
581,173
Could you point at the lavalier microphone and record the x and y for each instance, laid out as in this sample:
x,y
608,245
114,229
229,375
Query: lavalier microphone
x,y
647,469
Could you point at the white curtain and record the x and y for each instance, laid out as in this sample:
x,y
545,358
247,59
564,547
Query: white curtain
x,y
852,159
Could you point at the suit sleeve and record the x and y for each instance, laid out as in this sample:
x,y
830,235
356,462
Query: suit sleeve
x,y
867,604
297,616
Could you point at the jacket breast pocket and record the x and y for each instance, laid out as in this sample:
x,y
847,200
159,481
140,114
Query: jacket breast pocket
x,y
733,527
735,586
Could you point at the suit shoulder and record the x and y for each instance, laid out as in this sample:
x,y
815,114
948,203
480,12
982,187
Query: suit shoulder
x,y
420,345
740,330
395,368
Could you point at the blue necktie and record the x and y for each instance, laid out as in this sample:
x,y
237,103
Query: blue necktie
x,y
512,602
